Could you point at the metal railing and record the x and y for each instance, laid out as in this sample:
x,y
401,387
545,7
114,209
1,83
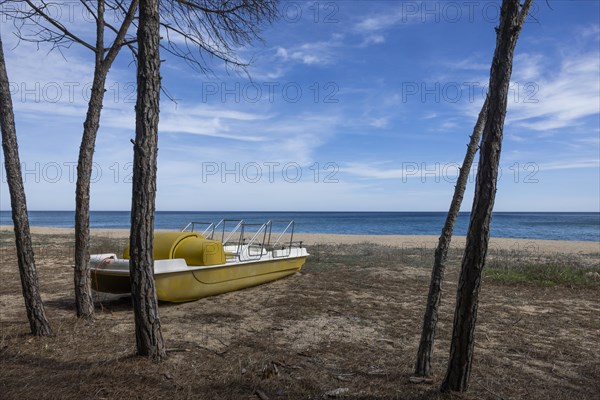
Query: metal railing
x,y
264,238
210,227
290,224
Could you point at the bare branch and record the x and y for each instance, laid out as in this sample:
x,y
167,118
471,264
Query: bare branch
x,y
90,10
99,33
210,11
120,38
195,28
524,11
65,32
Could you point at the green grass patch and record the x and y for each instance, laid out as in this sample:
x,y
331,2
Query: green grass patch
x,y
544,274
508,268
103,244
367,255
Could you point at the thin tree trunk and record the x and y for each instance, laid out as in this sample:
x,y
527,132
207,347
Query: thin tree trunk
x,y
83,290
423,363
467,298
81,276
148,334
29,282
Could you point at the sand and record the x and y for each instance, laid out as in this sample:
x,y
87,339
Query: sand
x,y
349,320
402,241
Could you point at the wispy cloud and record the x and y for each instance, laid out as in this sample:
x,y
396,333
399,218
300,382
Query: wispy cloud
x,y
213,127
278,138
433,171
468,64
37,89
374,26
589,31
373,171
384,20
379,122
313,53
545,94
569,164
373,39
447,172
563,99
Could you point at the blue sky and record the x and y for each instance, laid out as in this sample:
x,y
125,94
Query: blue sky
x,y
350,105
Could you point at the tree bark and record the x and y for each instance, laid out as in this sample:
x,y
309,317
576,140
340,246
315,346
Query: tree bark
x,y
423,363
148,333
29,282
467,298
83,291
81,276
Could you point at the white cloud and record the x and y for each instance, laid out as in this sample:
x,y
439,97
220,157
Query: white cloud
x,y
37,88
590,31
468,64
315,53
379,22
281,52
448,125
296,137
528,67
363,170
569,164
373,39
280,138
379,122
548,94
561,100
408,170
213,127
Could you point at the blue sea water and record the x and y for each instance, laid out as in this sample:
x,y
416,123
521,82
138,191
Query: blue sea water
x,y
583,226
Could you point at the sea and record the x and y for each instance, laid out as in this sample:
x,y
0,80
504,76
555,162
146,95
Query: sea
x,y
580,226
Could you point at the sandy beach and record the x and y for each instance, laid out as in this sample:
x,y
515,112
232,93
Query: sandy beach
x,y
402,241
348,323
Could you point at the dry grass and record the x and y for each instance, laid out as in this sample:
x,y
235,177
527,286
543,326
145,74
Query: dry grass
x,y
350,320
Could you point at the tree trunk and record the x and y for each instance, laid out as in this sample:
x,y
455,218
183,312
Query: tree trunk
x,y
83,290
33,301
148,334
423,363
467,298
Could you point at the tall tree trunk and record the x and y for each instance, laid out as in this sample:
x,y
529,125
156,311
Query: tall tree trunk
x,y
81,276
423,363
148,333
467,298
83,290
33,301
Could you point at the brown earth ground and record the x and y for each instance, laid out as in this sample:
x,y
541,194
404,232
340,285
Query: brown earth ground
x,y
347,326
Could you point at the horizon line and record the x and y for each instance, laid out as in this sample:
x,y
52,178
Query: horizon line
x,y
308,211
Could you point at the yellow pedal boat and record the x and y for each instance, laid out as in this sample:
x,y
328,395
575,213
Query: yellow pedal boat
x,y
190,265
